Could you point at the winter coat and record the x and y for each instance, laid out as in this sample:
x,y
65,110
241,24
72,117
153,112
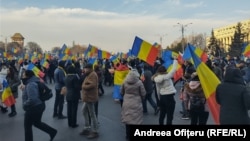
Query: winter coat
x,y
133,92
30,95
72,83
164,82
14,83
90,87
233,97
59,76
192,89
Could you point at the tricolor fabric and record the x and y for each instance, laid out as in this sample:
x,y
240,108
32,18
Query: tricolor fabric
x,y
246,50
91,51
198,52
102,54
7,96
167,56
119,77
144,51
209,82
36,70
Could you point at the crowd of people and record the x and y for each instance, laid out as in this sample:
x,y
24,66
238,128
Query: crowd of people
x,y
84,82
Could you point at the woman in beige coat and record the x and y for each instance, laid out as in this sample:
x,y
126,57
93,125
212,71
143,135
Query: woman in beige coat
x,y
133,92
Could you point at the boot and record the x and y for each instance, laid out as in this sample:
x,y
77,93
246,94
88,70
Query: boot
x,y
4,109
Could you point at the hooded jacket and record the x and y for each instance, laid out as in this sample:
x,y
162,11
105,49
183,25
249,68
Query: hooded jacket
x,y
30,95
233,97
133,91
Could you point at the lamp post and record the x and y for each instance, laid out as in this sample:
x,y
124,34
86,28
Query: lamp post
x,y
183,26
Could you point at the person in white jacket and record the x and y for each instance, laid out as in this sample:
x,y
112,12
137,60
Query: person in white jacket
x,y
166,92
3,74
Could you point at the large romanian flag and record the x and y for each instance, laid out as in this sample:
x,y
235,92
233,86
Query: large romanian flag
x,y
119,77
144,51
209,82
7,96
102,54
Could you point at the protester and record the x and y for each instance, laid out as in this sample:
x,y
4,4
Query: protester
x,y
133,93
166,92
148,85
196,101
59,75
73,86
233,97
33,107
90,97
13,82
3,74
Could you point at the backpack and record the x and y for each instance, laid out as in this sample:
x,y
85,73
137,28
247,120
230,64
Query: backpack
x,y
197,103
45,92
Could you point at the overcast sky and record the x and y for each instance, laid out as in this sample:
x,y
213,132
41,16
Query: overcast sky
x,y
113,24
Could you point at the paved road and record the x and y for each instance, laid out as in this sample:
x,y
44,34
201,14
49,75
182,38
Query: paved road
x,y
111,128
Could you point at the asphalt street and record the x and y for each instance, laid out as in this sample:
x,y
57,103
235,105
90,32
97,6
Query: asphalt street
x,y
110,127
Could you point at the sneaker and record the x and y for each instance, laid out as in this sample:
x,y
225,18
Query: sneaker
x,y
185,117
85,132
92,135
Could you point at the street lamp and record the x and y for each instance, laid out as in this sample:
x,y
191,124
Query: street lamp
x,y
183,26
6,42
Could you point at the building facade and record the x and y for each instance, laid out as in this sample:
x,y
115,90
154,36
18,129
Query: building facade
x,y
225,34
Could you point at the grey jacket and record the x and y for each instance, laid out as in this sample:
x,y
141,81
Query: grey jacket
x,y
30,94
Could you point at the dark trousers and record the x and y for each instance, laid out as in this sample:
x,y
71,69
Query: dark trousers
x,y
33,117
100,87
51,78
150,100
167,107
13,108
127,126
198,117
156,97
72,107
96,111
58,105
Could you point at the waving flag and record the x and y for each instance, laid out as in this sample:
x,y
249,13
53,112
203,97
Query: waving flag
x,y
198,52
209,82
7,96
36,70
102,54
144,51
44,63
246,50
91,51
168,63
119,77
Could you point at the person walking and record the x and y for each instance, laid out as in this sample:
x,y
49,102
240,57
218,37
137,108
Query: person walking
x,y
148,85
73,86
233,96
90,97
59,75
133,93
14,82
33,107
166,92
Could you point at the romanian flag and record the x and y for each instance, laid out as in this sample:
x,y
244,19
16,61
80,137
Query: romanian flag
x,y
48,56
36,70
103,54
209,82
198,52
168,63
44,63
34,58
91,51
246,50
144,51
119,77
7,96
20,61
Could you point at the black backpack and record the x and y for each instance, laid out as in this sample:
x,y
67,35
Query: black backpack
x,y
44,91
